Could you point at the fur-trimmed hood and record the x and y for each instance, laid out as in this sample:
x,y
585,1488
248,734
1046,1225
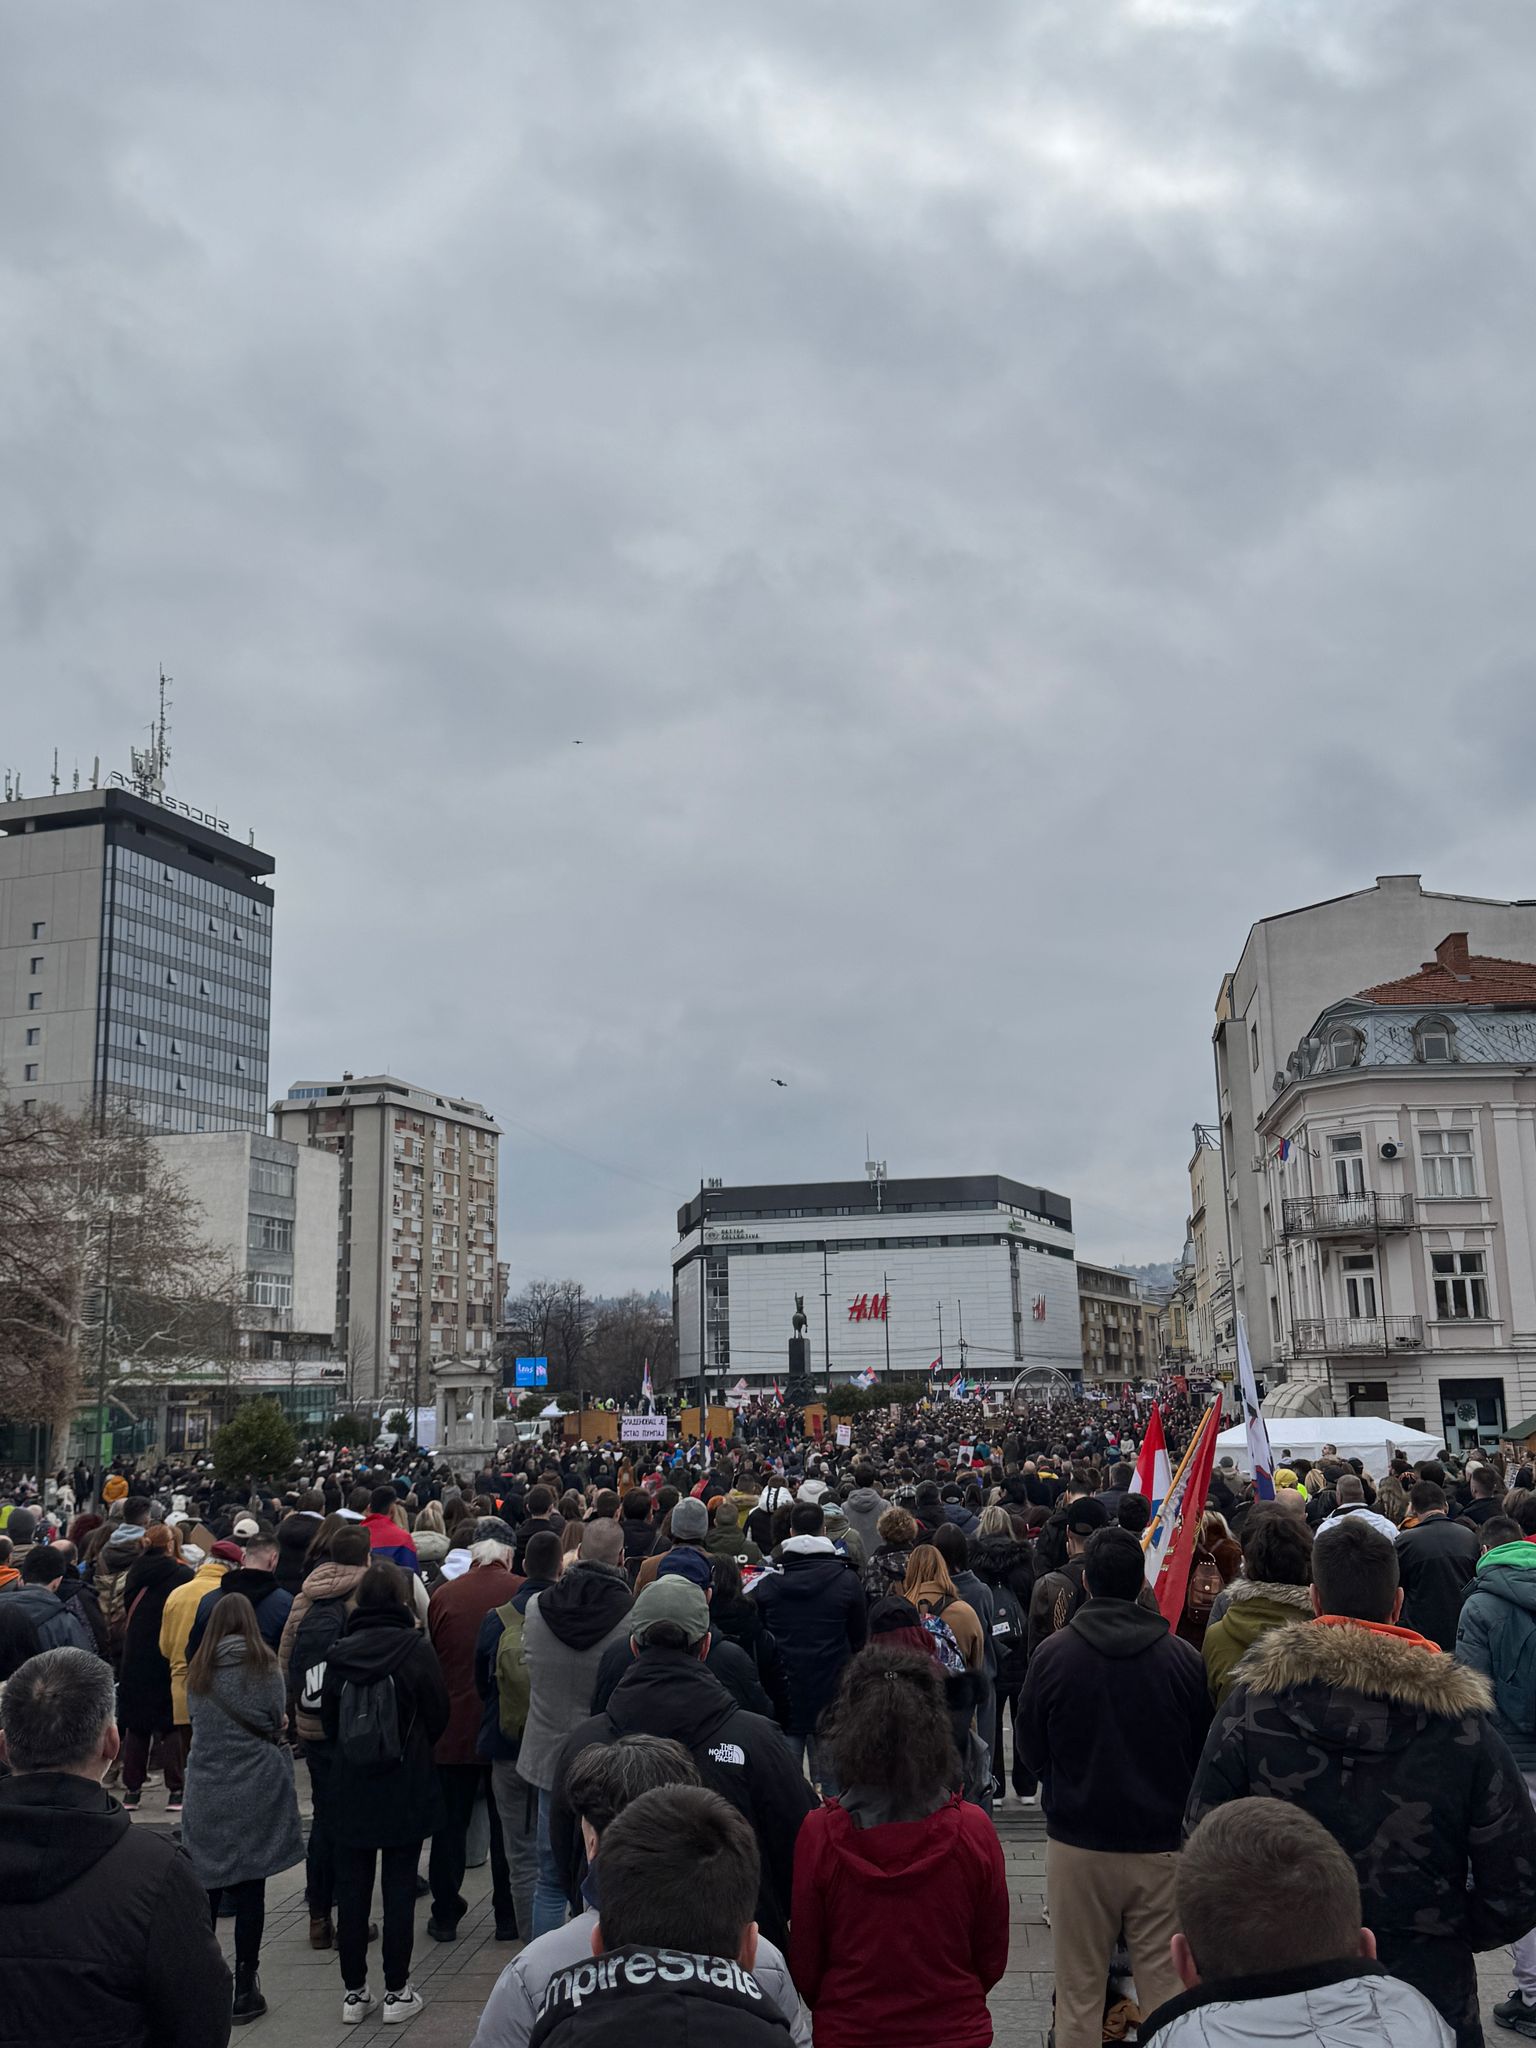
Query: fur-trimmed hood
x,y
1241,1590
1363,1662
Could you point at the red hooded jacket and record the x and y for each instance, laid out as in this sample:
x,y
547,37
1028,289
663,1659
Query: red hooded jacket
x,y
897,1933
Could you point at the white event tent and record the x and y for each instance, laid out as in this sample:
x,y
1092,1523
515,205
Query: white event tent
x,y
1370,1438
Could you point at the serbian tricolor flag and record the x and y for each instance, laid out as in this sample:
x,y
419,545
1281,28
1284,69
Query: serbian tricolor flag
x,y
957,1387
1169,1544
778,1393
1152,1468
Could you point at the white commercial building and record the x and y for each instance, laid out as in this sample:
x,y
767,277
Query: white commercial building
x,y
1398,1199
269,1213
977,1271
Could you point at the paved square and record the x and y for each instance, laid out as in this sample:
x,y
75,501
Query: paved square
x,y
303,1988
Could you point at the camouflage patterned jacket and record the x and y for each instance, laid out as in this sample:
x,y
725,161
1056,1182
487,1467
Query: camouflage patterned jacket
x,y
1391,1746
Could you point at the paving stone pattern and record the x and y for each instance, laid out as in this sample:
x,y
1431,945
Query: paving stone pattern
x,y
303,1987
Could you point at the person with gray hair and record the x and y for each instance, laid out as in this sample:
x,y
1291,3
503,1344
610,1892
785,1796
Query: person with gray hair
x,y
104,1929
603,1780
455,1613
565,1632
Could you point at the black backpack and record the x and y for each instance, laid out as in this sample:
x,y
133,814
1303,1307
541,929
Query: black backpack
x,y
1010,1636
313,1642
368,1731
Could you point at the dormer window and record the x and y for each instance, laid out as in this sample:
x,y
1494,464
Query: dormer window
x,y
1434,1041
1344,1047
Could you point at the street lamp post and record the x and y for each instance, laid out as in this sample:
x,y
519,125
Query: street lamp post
x,y
101,1358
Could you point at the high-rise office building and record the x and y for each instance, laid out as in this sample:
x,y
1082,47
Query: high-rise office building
x,y
416,1255
135,958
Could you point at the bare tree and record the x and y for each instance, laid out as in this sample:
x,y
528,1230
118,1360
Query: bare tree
x,y
625,1335
558,1319
105,1275
360,1362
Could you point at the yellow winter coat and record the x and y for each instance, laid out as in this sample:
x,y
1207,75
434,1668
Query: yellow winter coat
x,y
176,1625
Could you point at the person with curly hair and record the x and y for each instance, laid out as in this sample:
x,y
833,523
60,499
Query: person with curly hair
x,y
897,1865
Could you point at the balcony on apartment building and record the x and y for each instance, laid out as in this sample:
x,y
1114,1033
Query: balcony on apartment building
x,y
1329,1335
1346,1215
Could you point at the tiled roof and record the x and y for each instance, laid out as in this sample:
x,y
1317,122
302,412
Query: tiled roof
x,y
1458,976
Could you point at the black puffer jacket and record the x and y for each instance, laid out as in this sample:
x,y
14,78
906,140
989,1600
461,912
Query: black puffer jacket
x,y
104,1934
741,1756
815,1608
1391,1746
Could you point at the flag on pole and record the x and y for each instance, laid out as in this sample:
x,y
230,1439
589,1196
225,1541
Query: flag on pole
x,y
1260,1456
778,1393
866,1378
1152,1469
647,1391
1169,1544
957,1387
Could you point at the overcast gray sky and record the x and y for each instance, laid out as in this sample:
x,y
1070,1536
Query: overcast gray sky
x,y
1005,494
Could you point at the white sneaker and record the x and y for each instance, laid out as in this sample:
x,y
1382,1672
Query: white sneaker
x,y
400,2006
356,2006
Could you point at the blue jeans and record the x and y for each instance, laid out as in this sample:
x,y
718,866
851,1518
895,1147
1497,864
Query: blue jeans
x,y
820,1755
549,1900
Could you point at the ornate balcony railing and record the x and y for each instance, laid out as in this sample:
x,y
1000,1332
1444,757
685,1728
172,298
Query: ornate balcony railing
x,y
1321,1335
1346,1215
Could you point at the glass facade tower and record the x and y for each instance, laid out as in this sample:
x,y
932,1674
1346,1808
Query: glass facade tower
x,y
185,994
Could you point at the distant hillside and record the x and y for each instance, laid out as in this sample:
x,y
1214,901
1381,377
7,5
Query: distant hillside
x,y
1151,1276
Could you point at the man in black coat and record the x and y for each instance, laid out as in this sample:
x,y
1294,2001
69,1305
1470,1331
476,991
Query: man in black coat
x,y
816,1610
1487,1497
1435,1559
256,1578
104,1931
1111,1719
668,1691
1392,1747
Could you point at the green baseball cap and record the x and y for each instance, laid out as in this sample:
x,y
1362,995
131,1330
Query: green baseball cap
x,y
675,1599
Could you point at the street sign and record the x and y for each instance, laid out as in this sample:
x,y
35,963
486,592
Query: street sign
x,y
531,1372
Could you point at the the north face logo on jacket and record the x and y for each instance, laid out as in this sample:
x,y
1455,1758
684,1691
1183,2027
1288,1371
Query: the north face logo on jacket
x,y
728,1753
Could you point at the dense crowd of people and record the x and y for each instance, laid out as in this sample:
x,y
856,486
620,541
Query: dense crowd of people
x,y
740,1716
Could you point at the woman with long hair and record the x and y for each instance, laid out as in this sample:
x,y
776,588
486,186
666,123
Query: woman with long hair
x,y
240,1825
1002,1560
899,1924
932,1592
144,1708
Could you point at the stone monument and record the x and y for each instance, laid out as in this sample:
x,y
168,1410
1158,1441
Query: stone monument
x,y
466,1391
799,1347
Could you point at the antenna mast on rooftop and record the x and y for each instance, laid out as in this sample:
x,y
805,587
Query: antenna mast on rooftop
x,y
151,762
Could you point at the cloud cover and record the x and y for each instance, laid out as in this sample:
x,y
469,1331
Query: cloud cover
x,y
1004,494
